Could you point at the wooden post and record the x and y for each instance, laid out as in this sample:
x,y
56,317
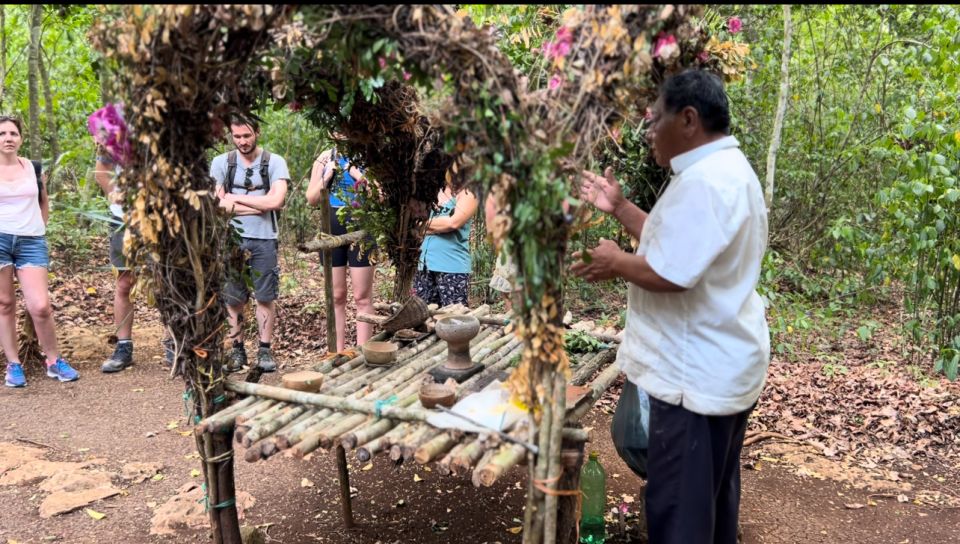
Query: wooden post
x,y
328,273
344,473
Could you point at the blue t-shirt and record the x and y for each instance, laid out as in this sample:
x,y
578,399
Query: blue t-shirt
x,y
344,182
447,252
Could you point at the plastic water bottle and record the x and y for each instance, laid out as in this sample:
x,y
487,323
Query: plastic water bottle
x,y
593,485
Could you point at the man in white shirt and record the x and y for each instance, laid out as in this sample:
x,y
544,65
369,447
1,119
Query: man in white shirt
x,y
696,338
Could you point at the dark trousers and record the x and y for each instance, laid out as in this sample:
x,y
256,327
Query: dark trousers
x,y
693,487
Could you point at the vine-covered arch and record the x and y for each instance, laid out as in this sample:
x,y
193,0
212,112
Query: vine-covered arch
x,y
360,70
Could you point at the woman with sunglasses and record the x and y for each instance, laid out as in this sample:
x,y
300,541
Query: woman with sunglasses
x,y
24,209
347,181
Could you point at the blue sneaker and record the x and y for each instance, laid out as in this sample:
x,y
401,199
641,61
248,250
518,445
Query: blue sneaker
x,y
62,371
15,377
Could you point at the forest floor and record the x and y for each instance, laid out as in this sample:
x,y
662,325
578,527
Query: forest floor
x,y
851,443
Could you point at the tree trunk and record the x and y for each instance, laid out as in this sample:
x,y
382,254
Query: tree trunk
x,y
51,122
3,53
781,106
33,74
27,345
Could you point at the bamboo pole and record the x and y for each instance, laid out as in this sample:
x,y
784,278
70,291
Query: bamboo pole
x,y
244,426
467,457
327,401
328,274
409,448
443,467
508,456
368,450
597,387
287,439
227,414
487,455
267,428
418,432
554,464
429,450
588,367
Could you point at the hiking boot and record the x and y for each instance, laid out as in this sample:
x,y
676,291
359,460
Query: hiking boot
x,y
15,377
169,352
238,359
122,358
265,360
62,371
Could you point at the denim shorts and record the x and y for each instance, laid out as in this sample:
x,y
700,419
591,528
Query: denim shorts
x,y
23,251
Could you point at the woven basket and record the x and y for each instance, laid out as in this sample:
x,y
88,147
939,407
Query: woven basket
x,y
413,313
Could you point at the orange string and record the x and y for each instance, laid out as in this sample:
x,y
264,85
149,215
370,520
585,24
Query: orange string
x,y
541,485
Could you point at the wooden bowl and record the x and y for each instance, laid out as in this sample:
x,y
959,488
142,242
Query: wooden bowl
x,y
380,353
306,380
433,394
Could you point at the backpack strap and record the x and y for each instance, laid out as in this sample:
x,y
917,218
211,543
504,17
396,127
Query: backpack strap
x,y
265,181
265,170
231,172
38,169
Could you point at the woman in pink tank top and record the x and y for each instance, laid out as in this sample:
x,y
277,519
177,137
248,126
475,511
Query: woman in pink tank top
x,y
23,251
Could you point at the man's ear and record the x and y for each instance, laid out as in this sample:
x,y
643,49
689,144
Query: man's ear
x,y
690,119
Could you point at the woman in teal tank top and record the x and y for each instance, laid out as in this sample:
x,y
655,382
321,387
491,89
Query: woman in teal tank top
x,y
443,274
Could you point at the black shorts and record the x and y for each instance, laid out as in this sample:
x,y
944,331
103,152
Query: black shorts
x,y
346,254
117,259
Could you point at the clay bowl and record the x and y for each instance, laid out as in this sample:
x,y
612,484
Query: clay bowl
x,y
433,394
380,353
457,329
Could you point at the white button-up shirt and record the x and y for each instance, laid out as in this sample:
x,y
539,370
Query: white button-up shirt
x,y
706,348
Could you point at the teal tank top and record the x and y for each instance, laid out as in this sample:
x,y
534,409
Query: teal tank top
x,y
447,252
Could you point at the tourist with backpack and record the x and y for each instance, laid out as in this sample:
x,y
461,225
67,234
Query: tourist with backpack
x,y
252,185
24,208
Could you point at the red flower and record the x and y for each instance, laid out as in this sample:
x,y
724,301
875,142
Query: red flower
x,y
295,106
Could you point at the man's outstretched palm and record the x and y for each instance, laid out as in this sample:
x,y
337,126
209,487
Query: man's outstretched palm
x,y
602,191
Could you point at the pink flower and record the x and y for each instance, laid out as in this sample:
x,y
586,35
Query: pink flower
x,y
703,56
108,129
355,204
624,508
648,115
383,62
561,46
666,47
407,75
555,83
734,25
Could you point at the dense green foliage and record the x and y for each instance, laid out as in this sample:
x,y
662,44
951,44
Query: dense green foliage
x,y
866,203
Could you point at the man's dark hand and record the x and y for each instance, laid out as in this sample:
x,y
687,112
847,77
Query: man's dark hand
x,y
599,263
